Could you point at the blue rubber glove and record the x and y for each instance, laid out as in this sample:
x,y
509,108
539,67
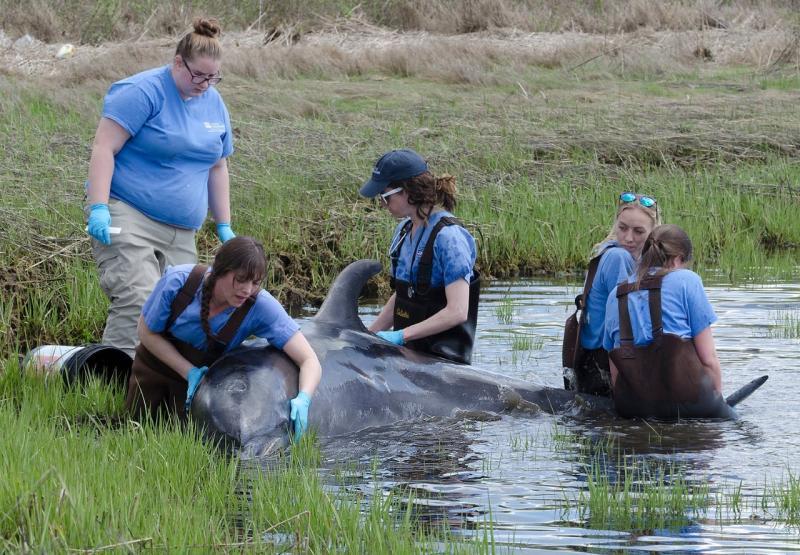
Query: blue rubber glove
x,y
299,414
395,336
224,232
194,378
99,221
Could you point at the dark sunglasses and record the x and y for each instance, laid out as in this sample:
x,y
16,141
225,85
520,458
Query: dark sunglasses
x,y
644,200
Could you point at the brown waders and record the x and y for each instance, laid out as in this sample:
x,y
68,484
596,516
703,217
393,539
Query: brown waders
x,y
157,389
664,379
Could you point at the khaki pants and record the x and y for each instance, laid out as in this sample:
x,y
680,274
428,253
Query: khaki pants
x,y
132,264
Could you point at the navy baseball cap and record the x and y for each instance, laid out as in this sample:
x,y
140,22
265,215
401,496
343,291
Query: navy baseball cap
x,y
395,165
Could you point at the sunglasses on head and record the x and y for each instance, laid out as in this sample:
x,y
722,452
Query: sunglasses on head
x,y
385,196
644,200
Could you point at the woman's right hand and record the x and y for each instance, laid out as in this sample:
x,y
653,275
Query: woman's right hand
x,y
99,223
196,375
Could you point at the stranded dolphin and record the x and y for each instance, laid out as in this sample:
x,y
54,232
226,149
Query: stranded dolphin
x,y
366,381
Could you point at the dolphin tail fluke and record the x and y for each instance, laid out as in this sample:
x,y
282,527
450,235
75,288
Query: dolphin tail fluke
x,y
744,392
341,304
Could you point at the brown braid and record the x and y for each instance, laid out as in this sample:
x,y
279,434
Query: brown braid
x,y
205,304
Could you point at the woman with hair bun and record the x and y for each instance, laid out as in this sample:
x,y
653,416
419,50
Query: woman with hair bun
x,y
658,333
195,314
159,161
434,307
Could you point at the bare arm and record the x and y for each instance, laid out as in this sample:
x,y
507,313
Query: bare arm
x,y
614,372
109,138
163,350
299,350
385,318
219,192
707,353
455,312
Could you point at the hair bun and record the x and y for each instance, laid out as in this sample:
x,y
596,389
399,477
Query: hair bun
x,y
207,27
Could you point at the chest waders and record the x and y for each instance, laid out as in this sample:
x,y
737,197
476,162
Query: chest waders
x,y
664,379
415,303
156,388
585,370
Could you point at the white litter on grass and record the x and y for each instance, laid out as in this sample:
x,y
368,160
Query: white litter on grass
x,y
66,51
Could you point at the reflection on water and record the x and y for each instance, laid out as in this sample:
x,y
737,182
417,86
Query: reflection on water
x,y
516,473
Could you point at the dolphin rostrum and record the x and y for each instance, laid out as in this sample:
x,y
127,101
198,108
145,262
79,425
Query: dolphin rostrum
x,y
366,381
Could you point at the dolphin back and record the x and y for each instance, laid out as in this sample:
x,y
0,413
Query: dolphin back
x,y
340,307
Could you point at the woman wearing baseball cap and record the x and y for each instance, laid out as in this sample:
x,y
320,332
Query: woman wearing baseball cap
x,y
434,307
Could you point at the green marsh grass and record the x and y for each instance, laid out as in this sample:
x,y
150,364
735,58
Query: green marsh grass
x,y
786,324
504,311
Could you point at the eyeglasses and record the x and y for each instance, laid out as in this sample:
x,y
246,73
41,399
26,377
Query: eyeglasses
x,y
199,79
385,196
644,200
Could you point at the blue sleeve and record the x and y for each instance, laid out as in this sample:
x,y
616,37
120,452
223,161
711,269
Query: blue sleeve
x,y
615,267
456,250
271,322
158,305
129,106
611,328
227,138
699,310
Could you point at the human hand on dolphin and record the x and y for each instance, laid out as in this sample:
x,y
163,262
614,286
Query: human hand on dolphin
x,y
395,336
194,378
299,414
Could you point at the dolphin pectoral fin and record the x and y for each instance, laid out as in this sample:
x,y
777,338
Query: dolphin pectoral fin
x,y
745,391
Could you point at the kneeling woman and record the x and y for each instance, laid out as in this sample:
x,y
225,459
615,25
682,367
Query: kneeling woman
x,y
434,307
658,334
195,314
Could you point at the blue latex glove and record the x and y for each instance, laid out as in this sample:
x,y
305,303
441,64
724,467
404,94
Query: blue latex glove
x,y
224,232
99,221
299,414
395,336
194,378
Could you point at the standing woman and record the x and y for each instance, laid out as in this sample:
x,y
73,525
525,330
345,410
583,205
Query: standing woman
x,y
434,307
159,160
195,314
658,334
613,260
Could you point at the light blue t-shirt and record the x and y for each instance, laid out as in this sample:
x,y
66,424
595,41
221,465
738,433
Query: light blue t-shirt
x,y
616,264
267,318
685,310
162,170
454,252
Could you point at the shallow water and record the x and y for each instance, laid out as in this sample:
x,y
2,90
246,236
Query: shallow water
x,y
522,475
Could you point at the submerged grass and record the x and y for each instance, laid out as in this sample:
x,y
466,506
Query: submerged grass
x,y
786,325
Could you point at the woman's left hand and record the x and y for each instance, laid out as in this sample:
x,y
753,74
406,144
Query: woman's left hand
x,y
299,414
395,336
224,232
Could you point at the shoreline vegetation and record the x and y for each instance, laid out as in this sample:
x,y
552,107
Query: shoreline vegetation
x,y
544,111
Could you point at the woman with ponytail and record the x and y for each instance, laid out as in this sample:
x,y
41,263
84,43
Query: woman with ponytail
x,y
159,161
434,307
658,333
195,314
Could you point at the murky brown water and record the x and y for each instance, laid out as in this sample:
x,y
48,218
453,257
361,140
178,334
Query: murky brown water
x,y
515,474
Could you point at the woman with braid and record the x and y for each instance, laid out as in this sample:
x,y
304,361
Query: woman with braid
x,y
195,314
658,333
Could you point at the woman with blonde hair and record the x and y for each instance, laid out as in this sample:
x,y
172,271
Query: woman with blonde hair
x,y
159,161
434,307
613,260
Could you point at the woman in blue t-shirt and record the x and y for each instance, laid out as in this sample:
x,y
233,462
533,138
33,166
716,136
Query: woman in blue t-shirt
x,y
612,261
158,162
434,307
667,365
195,314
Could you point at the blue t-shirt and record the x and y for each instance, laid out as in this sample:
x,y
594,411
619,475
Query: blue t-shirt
x,y
454,252
162,170
616,264
685,310
266,319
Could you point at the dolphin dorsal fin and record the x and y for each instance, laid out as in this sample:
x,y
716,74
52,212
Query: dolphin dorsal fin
x,y
341,304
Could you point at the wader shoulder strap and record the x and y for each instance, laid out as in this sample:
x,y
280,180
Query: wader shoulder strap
x,y
653,285
580,300
395,252
186,294
230,328
426,261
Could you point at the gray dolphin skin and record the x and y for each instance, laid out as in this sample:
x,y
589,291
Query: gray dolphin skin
x,y
366,382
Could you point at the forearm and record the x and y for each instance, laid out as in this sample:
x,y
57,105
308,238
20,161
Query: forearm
x,y
299,350
310,376
219,199
163,350
101,168
385,318
454,313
